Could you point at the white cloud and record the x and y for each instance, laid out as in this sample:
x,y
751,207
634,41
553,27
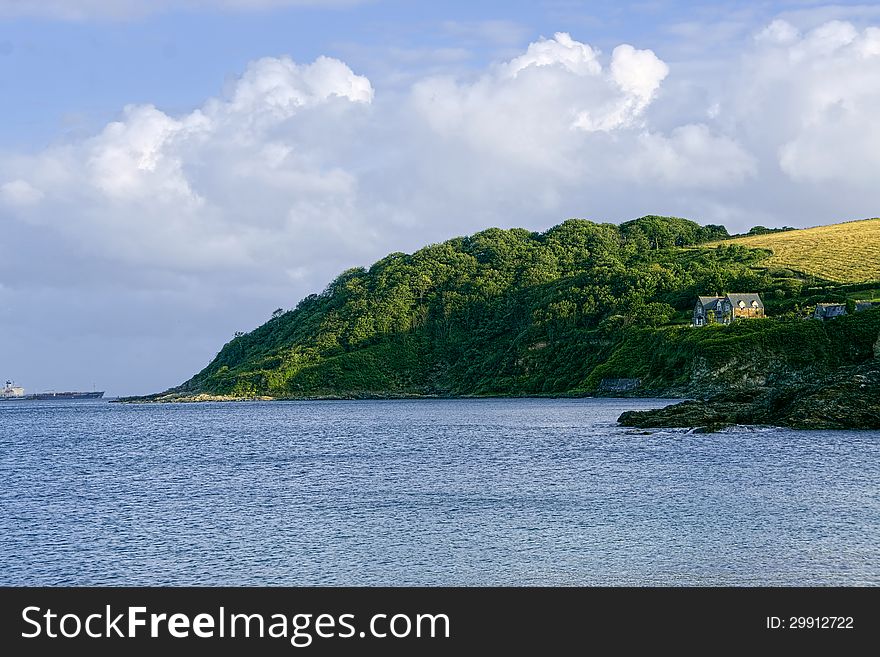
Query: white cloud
x,y
778,32
280,87
561,118
227,185
561,51
638,74
298,161
133,159
814,98
295,161
691,157
531,107
19,193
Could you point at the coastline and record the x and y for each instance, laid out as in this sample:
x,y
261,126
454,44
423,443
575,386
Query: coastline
x,y
195,398
848,398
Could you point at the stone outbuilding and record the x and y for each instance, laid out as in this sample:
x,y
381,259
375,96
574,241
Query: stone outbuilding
x,y
829,310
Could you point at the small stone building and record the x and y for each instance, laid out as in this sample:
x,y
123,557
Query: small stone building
x,y
829,310
724,310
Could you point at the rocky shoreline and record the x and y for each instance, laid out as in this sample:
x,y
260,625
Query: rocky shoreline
x,y
849,398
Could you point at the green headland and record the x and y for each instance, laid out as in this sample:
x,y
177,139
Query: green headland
x,y
587,309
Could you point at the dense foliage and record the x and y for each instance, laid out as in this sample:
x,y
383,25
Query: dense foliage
x,y
508,312
763,230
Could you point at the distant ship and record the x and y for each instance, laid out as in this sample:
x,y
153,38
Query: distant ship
x,y
13,392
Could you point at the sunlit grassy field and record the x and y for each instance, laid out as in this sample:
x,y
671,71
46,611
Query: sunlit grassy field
x,y
847,253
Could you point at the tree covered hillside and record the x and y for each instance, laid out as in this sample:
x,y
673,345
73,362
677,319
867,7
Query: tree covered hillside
x,y
500,312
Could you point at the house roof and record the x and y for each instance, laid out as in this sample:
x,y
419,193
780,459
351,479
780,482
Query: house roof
x,y
830,309
747,298
708,302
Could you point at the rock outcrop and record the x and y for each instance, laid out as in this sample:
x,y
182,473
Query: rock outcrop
x,y
848,398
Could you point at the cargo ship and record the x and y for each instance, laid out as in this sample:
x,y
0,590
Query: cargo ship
x,y
13,392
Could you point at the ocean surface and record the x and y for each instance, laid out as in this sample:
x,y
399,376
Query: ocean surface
x,y
434,492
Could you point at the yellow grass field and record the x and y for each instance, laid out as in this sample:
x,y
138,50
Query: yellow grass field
x,y
846,253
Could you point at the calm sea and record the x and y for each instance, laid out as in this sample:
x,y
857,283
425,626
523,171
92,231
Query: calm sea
x,y
470,492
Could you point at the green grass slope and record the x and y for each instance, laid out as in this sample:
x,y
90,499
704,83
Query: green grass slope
x,y
847,252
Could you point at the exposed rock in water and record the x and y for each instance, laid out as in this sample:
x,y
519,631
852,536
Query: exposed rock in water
x,y
849,398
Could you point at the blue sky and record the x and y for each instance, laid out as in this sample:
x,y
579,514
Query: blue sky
x,y
173,171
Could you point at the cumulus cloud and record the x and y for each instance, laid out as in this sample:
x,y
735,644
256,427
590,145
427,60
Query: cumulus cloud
x,y
561,51
218,187
568,115
296,161
814,97
638,74
279,87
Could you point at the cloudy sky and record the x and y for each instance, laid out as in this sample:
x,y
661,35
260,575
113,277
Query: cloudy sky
x,y
173,171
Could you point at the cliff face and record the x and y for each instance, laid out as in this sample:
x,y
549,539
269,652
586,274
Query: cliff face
x,y
754,372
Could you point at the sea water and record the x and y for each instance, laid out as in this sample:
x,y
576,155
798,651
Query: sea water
x,y
426,492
